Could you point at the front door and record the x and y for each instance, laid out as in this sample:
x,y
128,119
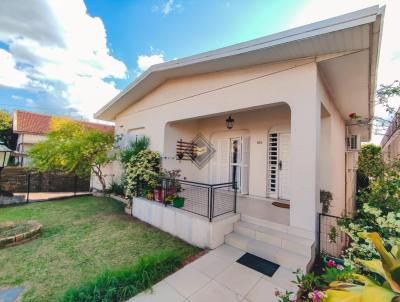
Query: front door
x,y
278,185
283,166
231,162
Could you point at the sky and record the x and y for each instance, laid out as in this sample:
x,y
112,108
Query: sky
x,y
72,57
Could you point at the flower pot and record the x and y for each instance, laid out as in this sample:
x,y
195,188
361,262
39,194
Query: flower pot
x,y
158,195
128,210
337,260
178,202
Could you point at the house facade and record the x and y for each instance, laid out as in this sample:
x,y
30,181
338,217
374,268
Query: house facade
x,y
290,95
32,128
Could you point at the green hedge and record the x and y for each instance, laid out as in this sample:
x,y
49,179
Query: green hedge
x,y
125,283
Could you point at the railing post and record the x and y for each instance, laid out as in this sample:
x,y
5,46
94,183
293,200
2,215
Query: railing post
x,y
75,184
29,186
235,197
209,203
319,235
212,202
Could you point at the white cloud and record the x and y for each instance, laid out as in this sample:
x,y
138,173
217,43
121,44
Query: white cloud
x,y
167,7
145,61
63,52
9,74
389,62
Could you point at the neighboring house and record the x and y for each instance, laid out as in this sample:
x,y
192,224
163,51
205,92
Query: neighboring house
x,y
391,141
290,95
32,128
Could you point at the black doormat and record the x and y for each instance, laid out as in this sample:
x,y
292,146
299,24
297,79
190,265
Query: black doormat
x,y
259,264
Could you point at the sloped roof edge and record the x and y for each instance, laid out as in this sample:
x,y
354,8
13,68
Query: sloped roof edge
x,y
356,18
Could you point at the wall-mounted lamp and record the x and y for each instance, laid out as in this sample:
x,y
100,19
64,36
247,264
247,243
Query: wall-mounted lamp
x,y
229,122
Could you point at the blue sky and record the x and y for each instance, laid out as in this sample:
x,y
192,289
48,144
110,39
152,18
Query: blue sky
x,y
76,55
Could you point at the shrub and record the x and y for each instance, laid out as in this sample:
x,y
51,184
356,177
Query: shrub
x,y
378,211
120,285
143,169
370,161
134,148
116,188
325,199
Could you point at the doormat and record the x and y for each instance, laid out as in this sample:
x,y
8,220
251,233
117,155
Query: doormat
x,y
281,205
259,264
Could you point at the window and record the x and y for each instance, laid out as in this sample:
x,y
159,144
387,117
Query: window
x,y
132,135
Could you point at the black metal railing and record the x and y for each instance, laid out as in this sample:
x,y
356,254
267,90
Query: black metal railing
x,y
207,200
331,239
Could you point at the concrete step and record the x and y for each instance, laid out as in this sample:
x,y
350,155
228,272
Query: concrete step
x,y
278,226
275,237
273,253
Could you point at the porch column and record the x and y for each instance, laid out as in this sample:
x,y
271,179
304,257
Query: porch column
x,y
304,178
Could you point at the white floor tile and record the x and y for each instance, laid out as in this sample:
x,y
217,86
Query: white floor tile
x,y
283,278
239,278
228,253
162,292
187,280
210,265
215,292
263,291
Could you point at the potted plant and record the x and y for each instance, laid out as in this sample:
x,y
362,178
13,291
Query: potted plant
x,y
178,201
128,208
158,193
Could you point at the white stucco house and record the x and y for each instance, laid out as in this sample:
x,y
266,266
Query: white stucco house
x,y
290,95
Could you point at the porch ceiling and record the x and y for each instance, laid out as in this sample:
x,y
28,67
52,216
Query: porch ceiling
x,y
350,32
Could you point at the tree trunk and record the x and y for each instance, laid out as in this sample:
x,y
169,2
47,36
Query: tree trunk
x,y
100,177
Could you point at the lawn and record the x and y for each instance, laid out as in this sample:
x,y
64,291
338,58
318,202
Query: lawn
x,y
81,238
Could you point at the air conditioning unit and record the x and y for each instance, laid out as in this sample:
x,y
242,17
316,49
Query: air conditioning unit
x,y
353,142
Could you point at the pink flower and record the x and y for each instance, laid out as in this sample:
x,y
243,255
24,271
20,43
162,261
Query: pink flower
x,y
317,295
331,263
340,267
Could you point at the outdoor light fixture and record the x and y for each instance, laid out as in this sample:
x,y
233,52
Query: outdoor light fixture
x,y
5,153
229,122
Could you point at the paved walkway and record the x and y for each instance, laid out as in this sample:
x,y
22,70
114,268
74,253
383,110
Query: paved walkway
x,y
217,277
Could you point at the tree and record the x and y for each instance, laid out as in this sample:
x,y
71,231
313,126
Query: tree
x,y
6,134
370,161
73,148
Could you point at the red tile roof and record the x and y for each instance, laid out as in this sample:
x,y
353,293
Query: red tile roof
x,y
36,123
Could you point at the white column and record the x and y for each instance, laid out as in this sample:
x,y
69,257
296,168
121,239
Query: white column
x,y
305,145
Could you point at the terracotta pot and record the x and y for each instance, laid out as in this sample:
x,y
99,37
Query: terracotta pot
x,y
128,211
159,195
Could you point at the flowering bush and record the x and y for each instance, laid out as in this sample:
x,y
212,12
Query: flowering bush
x,y
311,286
378,206
143,169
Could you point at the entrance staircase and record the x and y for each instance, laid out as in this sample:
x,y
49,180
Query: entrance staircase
x,y
275,242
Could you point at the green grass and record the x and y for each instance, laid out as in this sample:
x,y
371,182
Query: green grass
x,y
81,238
120,285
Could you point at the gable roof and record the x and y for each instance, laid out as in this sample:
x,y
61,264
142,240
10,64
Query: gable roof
x,y
39,124
346,33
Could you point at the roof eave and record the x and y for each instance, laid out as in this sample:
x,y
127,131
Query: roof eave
x,y
364,16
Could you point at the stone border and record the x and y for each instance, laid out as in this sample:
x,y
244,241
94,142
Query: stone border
x,y
34,231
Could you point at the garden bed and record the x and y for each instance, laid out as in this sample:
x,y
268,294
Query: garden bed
x,y
13,232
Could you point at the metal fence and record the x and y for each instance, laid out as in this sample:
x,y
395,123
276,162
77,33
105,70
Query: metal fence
x,y
207,200
332,240
24,186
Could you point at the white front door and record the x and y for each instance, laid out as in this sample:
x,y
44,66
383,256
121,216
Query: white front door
x,y
231,162
284,166
278,168
220,161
